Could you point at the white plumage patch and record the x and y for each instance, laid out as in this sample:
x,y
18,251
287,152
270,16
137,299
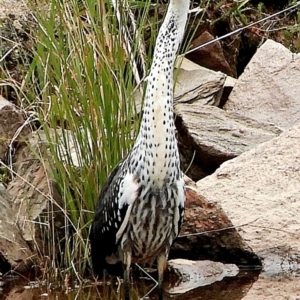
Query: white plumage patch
x,y
129,189
181,192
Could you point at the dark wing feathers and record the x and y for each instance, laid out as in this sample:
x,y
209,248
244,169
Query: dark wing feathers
x,y
104,230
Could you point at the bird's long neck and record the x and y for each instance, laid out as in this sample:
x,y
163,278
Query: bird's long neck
x,y
156,138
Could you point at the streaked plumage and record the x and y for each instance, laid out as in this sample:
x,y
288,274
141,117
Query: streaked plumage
x,y
141,206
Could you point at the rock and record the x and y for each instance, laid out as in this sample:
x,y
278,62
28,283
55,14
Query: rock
x,y
210,56
229,83
194,274
186,64
207,233
36,200
280,263
260,192
15,253
201,85
268,90
227,89
11,126
216,135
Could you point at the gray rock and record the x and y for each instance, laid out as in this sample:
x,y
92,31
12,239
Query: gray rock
x,y
269,89
216,135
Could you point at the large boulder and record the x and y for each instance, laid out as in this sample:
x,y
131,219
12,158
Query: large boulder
x,y
268,90
260,192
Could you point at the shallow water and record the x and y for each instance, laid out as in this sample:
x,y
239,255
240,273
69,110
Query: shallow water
x,y
230,288
279,280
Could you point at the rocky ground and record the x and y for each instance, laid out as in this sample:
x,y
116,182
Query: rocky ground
x,y
242,136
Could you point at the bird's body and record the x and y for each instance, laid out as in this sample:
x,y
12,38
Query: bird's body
x,y
141,206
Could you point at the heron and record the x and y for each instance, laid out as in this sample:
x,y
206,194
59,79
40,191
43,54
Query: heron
x,y
141,205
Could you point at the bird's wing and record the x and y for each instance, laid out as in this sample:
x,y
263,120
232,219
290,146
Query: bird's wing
x,y
112,212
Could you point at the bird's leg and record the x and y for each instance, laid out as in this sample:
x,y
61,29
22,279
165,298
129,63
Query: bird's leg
x,y
127,263
161,266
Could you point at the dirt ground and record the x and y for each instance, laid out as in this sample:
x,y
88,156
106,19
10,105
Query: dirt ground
x,y
14,7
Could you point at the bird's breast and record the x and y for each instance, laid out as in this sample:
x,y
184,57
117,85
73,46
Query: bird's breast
x,y
153,224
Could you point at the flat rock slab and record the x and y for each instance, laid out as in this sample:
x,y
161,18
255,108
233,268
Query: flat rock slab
x,y
203,85
217,135
269,89
260,192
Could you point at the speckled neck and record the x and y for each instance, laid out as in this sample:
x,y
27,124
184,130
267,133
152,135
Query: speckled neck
x,y
156,142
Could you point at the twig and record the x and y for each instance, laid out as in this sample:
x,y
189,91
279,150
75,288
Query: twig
x,y
156,283
275,229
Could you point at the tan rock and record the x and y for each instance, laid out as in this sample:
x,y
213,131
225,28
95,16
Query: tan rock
x,y
260,192
268,90
15,7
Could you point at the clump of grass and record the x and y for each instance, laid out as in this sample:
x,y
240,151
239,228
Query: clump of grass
x,y
81,84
